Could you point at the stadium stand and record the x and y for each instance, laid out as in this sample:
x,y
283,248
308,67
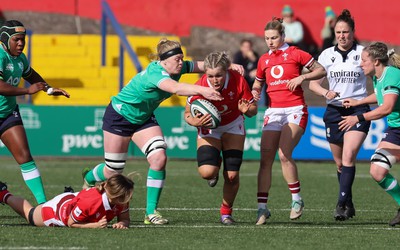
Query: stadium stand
x,y
73,62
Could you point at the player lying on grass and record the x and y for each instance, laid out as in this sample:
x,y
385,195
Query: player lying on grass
x,y
90,208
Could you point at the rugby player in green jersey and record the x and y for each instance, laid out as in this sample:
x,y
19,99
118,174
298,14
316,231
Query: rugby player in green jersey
x,y
386,80
14,66
129,117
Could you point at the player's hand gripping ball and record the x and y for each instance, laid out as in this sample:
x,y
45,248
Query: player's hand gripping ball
x,y
205,107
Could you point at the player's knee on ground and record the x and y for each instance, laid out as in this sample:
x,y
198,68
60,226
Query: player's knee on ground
x,y
115,162
383,159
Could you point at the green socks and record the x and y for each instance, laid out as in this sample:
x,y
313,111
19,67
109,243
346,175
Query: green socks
x,y
96,174
33,180
389,183
155,184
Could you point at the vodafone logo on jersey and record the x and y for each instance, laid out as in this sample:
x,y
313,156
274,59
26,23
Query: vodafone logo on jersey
x,y
277,71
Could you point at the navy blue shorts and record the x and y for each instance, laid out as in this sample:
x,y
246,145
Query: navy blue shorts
x,y
115,123
11,120
332,117
392,135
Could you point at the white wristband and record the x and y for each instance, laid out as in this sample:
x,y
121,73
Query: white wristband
x,y
50,91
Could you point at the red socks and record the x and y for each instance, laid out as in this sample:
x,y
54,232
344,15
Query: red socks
x,y
225,210
4,195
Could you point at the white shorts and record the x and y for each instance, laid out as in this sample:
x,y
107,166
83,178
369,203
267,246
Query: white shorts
x,y
236,127
54,211
276,118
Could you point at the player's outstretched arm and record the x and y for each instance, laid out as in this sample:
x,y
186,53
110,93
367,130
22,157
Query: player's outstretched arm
x,y
34,78
8,90
186,89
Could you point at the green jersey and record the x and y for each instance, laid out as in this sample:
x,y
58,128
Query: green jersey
x,y
12,68
142,95
389,83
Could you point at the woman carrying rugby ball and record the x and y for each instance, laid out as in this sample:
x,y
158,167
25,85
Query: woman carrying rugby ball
x,y
229,136
129,117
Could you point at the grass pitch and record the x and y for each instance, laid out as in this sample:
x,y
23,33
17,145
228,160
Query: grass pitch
x,y
193,210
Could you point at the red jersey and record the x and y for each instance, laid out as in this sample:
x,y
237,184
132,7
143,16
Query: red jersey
x,y
86,206
235,88
277,69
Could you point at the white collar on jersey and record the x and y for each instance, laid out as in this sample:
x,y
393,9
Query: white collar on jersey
x,y
226,81
284,47
106,203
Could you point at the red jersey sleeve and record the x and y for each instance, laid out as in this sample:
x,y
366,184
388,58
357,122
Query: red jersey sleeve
x,y
87,203
80,212
260,73
304,58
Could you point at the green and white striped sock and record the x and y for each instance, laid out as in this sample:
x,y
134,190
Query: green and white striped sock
x,y
96,174
155,184
33,180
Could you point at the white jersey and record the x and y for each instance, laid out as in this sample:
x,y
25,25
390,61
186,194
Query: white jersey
x,y
345,76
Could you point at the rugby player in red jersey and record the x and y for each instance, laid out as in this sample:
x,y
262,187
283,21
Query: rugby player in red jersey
x,y
90,208
286,118
229,136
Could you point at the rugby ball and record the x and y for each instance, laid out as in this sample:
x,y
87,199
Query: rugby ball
x,y
205,107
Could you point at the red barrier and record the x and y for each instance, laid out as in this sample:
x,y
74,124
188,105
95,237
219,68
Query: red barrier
x,y
374,20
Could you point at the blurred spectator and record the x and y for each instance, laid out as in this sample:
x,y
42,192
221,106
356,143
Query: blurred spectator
x,y
248,58
328,32
293,28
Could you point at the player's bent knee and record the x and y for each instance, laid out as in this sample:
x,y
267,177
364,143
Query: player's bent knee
x,y
377,172
232,159
115,162
383,158
208,155
208,172
154,145
158,160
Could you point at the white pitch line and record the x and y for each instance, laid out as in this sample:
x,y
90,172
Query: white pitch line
x,y
254,209
267,227
32,247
